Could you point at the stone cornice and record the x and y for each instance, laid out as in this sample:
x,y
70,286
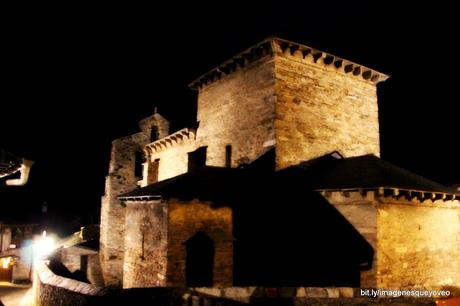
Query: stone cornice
x,y
276,45
311,55
398,195
237,62
176,138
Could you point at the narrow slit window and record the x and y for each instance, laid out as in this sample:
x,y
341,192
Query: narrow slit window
x,y
228,156
154,134
138,161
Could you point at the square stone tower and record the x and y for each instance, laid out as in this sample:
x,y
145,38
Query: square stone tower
x,y
304,102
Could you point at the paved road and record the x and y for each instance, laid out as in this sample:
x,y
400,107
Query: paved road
x,y
15,295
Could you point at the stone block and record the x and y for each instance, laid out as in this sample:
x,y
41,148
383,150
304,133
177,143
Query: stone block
x,y
333,292
346,292
314,292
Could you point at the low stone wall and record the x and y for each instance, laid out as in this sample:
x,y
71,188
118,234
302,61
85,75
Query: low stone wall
x,y
51,289
322,296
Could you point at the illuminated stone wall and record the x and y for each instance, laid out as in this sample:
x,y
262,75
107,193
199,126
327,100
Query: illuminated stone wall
x,y
172,161
238,110
121,179
418,245
145,244
71,258
360,210
185,220
155,254
320,109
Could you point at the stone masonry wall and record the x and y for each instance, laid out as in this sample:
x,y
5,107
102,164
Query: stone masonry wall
x,y
173,160
121,179
71,258
418,246
360,210
50,289
94,271
238,110
185,220
22,268
320,109
145,244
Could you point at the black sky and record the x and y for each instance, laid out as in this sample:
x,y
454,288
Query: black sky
x,y
75,77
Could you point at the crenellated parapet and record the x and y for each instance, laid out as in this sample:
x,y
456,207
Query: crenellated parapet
x,y
274,45
182,136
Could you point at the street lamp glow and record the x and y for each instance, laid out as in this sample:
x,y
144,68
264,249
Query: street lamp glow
x,y
44,246
6,262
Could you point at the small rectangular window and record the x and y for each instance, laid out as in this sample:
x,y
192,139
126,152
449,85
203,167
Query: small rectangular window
x,y
138,161
228,156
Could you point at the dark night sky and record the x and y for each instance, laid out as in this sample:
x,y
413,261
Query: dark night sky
x,y
75,77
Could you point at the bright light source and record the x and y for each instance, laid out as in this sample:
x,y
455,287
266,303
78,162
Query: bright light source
x,y
12,246
44,246
6,262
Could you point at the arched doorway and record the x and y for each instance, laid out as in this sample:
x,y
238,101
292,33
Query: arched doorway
x,y
199,263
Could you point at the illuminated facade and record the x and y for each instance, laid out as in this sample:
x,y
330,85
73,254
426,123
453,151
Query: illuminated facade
x,y
304,124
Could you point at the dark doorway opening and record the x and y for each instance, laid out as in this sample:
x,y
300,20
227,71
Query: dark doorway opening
x,y
199,263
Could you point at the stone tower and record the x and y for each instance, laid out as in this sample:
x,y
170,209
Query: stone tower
x,y
125,172
304,102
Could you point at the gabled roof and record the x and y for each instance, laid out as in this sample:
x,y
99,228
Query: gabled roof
x,y
364,172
